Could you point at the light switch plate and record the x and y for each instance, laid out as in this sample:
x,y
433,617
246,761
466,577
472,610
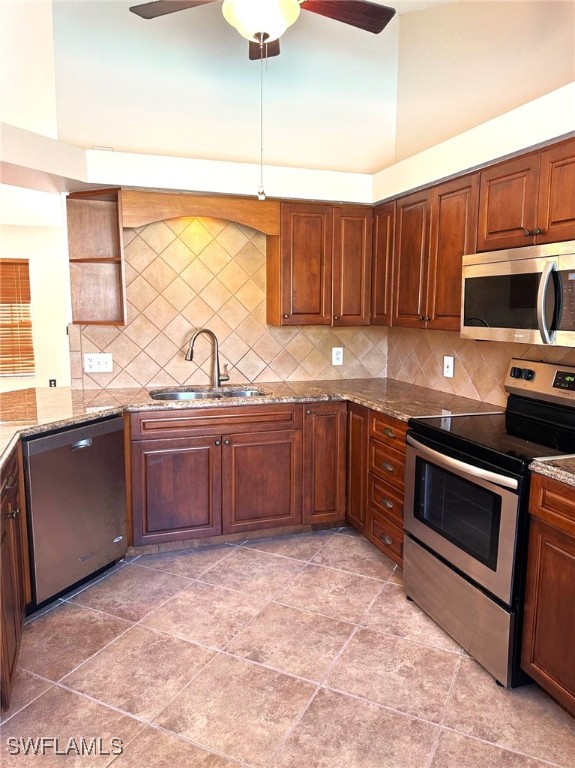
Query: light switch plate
x,y
98,362
448,363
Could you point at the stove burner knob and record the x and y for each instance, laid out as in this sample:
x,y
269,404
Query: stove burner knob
x,y
515,372
527,374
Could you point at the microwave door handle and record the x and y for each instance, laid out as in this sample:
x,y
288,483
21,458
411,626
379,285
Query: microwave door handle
x,y
460,466
550,267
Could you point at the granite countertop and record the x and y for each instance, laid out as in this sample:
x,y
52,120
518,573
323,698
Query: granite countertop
x,y
34,411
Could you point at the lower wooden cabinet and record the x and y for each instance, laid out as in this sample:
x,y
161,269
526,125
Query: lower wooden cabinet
x,y
357,445
385,484
324,434
12,587
549,628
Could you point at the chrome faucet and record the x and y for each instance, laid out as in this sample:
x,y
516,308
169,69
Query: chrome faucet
x,y
217,377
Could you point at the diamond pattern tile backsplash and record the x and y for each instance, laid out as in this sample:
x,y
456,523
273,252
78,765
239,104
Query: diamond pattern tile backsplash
x,y
188,273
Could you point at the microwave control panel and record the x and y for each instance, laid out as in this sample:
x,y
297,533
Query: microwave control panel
x,y
568,290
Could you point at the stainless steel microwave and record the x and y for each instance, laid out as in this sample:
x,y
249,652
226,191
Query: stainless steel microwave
x,y
524,295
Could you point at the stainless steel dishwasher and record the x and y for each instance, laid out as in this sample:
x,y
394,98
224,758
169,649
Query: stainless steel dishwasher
x,y
76,501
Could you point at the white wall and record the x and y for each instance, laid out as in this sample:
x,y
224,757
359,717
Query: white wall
x,y
461,64
32,227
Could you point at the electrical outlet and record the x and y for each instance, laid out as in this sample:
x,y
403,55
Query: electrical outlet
x,y
51,382
448,363
98,362
337,355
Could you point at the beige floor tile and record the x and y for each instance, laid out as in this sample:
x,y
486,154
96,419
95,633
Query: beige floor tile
x,y
524,719
457,750
206,614
300,546
58,641
149,670
132,592
26,687
338,731
356,555
238,709
255,573
65,716
155,749
340,595
190,563
292,640
397,576
396,673
393,613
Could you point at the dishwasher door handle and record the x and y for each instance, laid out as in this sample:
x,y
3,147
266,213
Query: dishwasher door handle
x,y
86,443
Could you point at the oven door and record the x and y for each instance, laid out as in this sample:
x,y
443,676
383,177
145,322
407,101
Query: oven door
x,y
466,514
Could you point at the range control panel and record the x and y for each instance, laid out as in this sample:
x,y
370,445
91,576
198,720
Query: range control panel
x,y
543,381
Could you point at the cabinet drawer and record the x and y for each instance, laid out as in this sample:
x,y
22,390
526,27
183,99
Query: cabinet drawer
x,y
386,463
388,430
386,499
214,421
386,536
553,502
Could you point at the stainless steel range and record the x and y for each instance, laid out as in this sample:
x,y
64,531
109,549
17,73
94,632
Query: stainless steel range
x,y
466,511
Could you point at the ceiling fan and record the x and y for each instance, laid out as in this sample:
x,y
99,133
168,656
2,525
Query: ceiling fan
x,y
262,22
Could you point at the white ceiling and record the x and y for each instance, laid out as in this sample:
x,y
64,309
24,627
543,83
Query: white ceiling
x,y
182,85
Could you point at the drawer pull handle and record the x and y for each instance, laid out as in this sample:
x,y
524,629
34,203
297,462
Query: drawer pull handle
x,y
387,466
80,444
385,502
10,483
386,538
389,432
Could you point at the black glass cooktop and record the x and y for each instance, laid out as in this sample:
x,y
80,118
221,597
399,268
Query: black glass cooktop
x,y
485,437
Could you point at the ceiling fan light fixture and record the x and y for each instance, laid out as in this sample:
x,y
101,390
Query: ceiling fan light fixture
x,y
258,20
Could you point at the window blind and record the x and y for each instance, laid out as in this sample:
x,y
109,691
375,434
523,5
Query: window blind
x,y
16,347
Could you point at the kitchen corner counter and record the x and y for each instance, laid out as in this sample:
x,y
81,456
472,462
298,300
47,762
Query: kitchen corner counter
x,y
562,469
34,411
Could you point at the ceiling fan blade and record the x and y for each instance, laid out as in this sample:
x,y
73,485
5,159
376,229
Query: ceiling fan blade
x,y
162,7
370,17
269,50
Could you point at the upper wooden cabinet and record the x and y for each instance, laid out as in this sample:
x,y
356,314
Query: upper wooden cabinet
x,y
434,229
321,272
530,199
381,284
96,254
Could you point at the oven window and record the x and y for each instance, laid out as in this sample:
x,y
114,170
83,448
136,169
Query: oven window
x,y
464,513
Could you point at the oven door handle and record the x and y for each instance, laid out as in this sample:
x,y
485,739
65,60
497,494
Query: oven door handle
x,y
460,466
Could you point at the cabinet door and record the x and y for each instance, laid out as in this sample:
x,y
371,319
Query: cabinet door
x,y
547,652
453,234
261,480
12,596
383,237
324,433
352,265
176,489
306,264
357,442
508,203
556,212
410,260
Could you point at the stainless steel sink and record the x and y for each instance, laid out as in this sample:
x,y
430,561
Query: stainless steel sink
x,y
185,394
239,392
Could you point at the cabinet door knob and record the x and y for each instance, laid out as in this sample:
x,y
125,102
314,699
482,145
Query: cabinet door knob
x,y
309,412
13,514
218,442
386,538
227,442
426,318
537,231
385,502
336,317
389,432
387,466
527,232
286,317
420,317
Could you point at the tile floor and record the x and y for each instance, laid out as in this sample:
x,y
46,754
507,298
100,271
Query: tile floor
x,y
293,652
